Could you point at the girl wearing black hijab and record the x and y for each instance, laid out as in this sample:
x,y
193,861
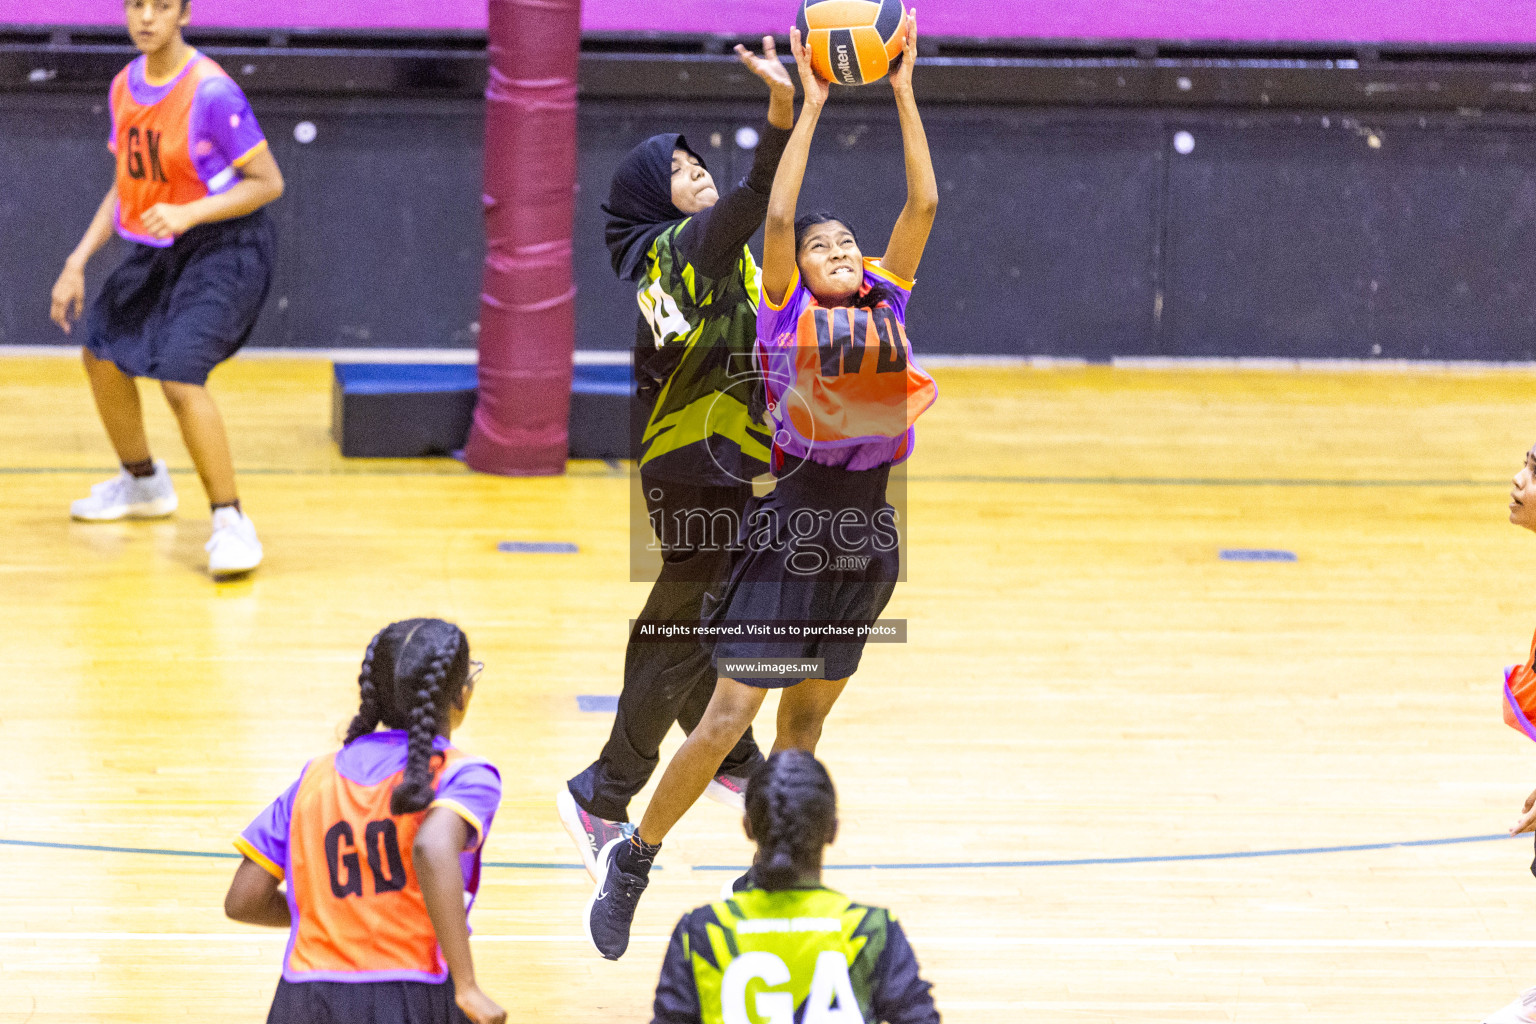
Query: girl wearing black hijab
x,y
683,245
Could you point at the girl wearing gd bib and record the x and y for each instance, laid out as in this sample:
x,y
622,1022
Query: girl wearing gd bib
x,y
379,844
843,394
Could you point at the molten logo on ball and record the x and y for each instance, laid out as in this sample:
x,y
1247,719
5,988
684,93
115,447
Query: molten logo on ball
x,y
853,42
844,65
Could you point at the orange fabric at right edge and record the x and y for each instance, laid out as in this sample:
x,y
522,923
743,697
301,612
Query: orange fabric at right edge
x,y
1520,696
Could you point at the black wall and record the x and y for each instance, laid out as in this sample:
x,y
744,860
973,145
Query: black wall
x,y
1068,229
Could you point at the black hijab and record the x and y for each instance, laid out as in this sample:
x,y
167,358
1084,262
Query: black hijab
x,y
639,203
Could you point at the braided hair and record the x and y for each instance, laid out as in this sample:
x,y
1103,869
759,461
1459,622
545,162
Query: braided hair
x,y
792,814
862,300
411,674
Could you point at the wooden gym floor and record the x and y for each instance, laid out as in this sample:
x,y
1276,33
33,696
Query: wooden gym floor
x,y
1088,689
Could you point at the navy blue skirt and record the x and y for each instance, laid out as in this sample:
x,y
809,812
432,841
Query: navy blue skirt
x,y
176,313
365,1002
817,555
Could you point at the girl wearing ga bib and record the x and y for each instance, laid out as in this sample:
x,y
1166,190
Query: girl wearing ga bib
x,y
379,844
779,942
821,551
193,175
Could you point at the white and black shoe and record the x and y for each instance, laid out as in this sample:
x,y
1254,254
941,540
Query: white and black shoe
x,y
126,496
611,910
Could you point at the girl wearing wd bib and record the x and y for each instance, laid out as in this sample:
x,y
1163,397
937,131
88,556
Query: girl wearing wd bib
x,y
380,846
813,955
821,551
193,174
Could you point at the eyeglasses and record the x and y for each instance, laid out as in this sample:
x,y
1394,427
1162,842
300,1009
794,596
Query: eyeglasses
x,y
475,668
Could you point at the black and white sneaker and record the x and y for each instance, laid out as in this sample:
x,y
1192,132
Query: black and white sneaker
x,y
611,910
741,883
589,832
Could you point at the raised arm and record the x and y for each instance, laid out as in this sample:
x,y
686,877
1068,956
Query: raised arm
x,y
712,239
910,236
779,229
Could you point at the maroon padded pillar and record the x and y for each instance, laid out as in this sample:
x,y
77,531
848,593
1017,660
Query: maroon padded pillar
x,y
528,296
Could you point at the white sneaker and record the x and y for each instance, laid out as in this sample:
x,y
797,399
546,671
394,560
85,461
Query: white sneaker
x,y
126,496
730,790
1521,1011
233,549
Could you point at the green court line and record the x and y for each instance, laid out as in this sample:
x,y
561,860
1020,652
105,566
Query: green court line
x,y
1199,481
1037,481
451,474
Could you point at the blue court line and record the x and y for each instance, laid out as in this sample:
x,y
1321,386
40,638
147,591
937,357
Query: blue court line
x,y
214,855
1089,481
1256,555
1295,851
537,547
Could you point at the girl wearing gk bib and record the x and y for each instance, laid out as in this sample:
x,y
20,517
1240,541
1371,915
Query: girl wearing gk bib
x,y
380,846
193,176
821,549
815,955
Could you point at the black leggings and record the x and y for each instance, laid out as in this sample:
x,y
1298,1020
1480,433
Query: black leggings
x,y
669,681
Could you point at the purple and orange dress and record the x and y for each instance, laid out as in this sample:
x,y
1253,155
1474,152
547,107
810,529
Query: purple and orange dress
x,y
177,307
361,946
822,549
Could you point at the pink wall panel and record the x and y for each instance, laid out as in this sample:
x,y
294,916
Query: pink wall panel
x,y
1444,21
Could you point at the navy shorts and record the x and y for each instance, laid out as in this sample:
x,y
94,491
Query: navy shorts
x,y
365,1002
176,313
800,568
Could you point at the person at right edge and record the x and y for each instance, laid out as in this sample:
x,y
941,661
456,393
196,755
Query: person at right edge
x,y
1520,713
684,246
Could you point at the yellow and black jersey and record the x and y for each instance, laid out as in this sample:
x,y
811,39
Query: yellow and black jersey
x,y
808,956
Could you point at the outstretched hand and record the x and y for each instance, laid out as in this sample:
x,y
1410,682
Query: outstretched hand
x,y
901,74
817,89
1527,821
768,67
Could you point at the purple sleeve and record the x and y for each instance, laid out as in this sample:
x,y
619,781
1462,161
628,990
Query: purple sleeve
x,y
224,133
773,324
677,992
472,791
265,840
